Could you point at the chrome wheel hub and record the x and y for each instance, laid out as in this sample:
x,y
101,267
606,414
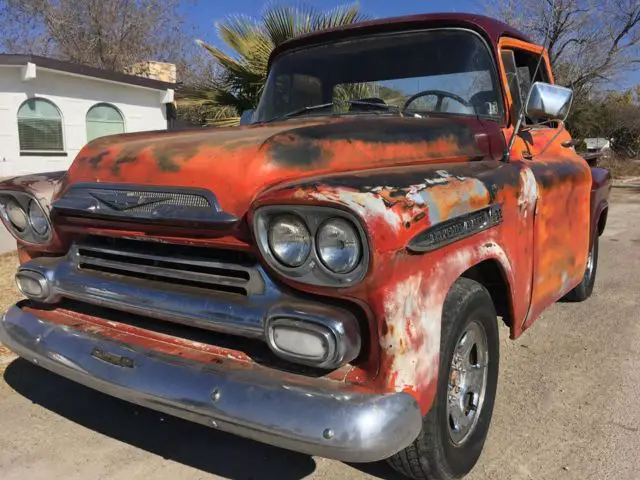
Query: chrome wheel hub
x,y
590,262
467,382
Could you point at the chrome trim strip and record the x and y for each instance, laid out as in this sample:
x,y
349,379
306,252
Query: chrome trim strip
x,y
175,264
339,424
159,271
455,229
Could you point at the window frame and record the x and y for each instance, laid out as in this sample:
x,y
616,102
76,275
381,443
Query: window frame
x,y
495,71
507,43
42,152
105,104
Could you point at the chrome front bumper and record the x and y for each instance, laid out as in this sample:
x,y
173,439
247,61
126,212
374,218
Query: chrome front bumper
x,y
351,427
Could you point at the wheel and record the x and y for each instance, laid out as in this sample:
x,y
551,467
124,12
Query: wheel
x,y
455,428
585,288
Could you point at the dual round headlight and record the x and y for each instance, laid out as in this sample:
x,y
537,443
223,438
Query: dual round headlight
x,y
337,243
25,217
16,215
289,240
38,219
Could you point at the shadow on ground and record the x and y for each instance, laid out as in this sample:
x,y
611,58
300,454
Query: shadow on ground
x,y
188,443
171,438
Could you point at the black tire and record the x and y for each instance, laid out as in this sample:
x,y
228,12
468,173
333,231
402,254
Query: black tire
x,y
585,288
434,455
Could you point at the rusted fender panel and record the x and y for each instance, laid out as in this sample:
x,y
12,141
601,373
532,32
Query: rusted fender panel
x,y
405,291
240,162
43,186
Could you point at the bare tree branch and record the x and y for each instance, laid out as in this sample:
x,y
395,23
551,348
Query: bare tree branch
x,y
590,42
109,34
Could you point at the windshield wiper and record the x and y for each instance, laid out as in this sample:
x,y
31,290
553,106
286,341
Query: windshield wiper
x,y
382,106
320,106
307,109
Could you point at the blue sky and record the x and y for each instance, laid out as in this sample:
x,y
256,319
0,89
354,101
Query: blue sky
x,y
204,13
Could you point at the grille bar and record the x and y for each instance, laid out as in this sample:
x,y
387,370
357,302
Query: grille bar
x,y
188,266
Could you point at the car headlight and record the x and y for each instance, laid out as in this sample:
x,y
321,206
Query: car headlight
x,y
38,219
315,245
338,245
15,214
289,240
24,217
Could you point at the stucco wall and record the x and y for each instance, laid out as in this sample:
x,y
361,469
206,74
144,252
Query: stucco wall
x,y
142,109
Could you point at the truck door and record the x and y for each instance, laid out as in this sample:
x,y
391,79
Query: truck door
x,y
561,189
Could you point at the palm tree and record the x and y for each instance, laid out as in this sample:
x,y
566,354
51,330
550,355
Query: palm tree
x,y
243,74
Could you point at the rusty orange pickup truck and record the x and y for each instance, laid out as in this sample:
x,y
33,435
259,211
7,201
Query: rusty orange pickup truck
x,y
331,275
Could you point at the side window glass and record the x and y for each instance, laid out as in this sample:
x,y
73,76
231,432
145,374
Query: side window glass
x,y
520,67
509,62
297,91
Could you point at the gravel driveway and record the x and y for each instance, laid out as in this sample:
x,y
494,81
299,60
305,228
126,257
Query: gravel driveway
x,y
567,404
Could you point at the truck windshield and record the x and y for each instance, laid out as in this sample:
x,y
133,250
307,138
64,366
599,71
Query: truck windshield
x,y
416,73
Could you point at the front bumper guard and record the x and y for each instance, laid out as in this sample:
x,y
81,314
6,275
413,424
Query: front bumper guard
x,y
352,427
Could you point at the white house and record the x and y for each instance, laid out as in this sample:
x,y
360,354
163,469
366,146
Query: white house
x,y
49,110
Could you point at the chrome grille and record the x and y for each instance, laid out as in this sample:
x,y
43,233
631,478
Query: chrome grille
x,y
150,200
223,271
187,206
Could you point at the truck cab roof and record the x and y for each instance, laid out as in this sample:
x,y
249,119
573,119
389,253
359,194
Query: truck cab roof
x,y
491,29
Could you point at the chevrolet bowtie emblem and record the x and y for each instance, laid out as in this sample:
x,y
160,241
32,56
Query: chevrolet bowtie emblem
x,y
122,200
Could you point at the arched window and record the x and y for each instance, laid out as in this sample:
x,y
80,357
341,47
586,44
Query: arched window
x,y
40,126
103,119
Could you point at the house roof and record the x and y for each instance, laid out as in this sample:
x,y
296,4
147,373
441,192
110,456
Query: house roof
x,y
82,70
490,28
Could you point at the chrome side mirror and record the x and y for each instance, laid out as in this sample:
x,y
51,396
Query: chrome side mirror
x,y
549,102
246,117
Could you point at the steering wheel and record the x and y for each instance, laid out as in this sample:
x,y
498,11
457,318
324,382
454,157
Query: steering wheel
x,y
439,94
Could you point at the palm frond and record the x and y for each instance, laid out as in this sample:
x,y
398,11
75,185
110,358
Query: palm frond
x,y
251,41
338,16
223,117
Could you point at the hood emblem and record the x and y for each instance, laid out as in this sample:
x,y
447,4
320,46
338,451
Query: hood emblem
x,y
124,200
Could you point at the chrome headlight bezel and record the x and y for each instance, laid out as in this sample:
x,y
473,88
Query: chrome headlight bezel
x,y
340,335
312,271
27,202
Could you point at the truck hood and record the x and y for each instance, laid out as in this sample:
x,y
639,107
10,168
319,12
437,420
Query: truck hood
x,y
239,163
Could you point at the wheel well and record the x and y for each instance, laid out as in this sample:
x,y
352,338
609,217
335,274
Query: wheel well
x,y
490,274
602,220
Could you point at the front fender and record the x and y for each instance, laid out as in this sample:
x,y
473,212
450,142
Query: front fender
x,y
410,306
43,187
404,290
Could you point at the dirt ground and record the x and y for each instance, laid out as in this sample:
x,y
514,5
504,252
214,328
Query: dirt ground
x,y
567,404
